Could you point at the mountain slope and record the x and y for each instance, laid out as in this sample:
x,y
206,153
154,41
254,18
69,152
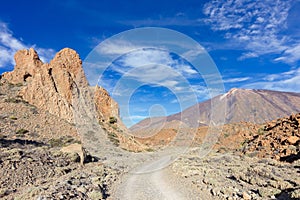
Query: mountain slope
x,y
255,106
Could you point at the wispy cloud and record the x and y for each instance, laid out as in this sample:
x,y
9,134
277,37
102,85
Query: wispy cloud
x,y
152,66
117,47
180,19
290,55
255,25
9,44
287,81
235,80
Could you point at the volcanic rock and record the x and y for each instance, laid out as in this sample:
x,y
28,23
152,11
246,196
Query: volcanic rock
x,y
49,86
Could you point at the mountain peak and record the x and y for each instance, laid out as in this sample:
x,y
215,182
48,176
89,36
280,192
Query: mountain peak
x,y
234,91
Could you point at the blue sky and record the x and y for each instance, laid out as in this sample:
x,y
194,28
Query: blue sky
x,y
255,44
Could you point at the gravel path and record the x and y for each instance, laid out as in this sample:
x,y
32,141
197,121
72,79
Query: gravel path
x,y
153,178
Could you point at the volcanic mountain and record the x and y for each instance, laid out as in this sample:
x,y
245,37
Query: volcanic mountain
x,y
237,105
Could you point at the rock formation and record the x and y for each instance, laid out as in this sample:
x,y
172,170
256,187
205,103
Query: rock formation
x,y
279,139
59,87
49,86
106,106
52,86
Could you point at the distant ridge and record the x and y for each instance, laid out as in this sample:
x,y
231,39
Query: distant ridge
x,y
242,105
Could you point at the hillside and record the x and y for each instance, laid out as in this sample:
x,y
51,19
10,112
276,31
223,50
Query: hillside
x,y
238,105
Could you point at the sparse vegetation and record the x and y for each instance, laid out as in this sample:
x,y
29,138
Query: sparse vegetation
x,y
62,141
150,150
112,120
226,135
11,85
22,131
115,128
245,142
56,142
113,138
261,131
12,100
15,100
13,118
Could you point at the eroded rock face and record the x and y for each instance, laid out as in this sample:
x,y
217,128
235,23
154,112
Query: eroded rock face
x,y
61,88
49,86
105,105
27,64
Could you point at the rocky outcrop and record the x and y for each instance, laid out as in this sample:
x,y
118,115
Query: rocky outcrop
x,y
75,149
52,86
61,88
106,106
49,86
279,139
27,64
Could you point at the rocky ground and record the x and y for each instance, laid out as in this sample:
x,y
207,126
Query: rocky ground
x,y
31,163
32,170
250,162
230,176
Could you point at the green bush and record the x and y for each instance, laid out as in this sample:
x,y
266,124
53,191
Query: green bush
x,y
21,132
15,100
246,141
62,141
261,131
113,138
11,85
56,142
112,120
13,118
226,135
12,100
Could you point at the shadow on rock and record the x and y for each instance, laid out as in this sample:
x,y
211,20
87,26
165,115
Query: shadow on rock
x,y
291,158
8,143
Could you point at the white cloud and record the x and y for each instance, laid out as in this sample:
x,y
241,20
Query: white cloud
x,y
9,44
45,54
148,56
255,26
248,55
234,80
174,101
154,66
287,81
290,55
195,52
117,47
